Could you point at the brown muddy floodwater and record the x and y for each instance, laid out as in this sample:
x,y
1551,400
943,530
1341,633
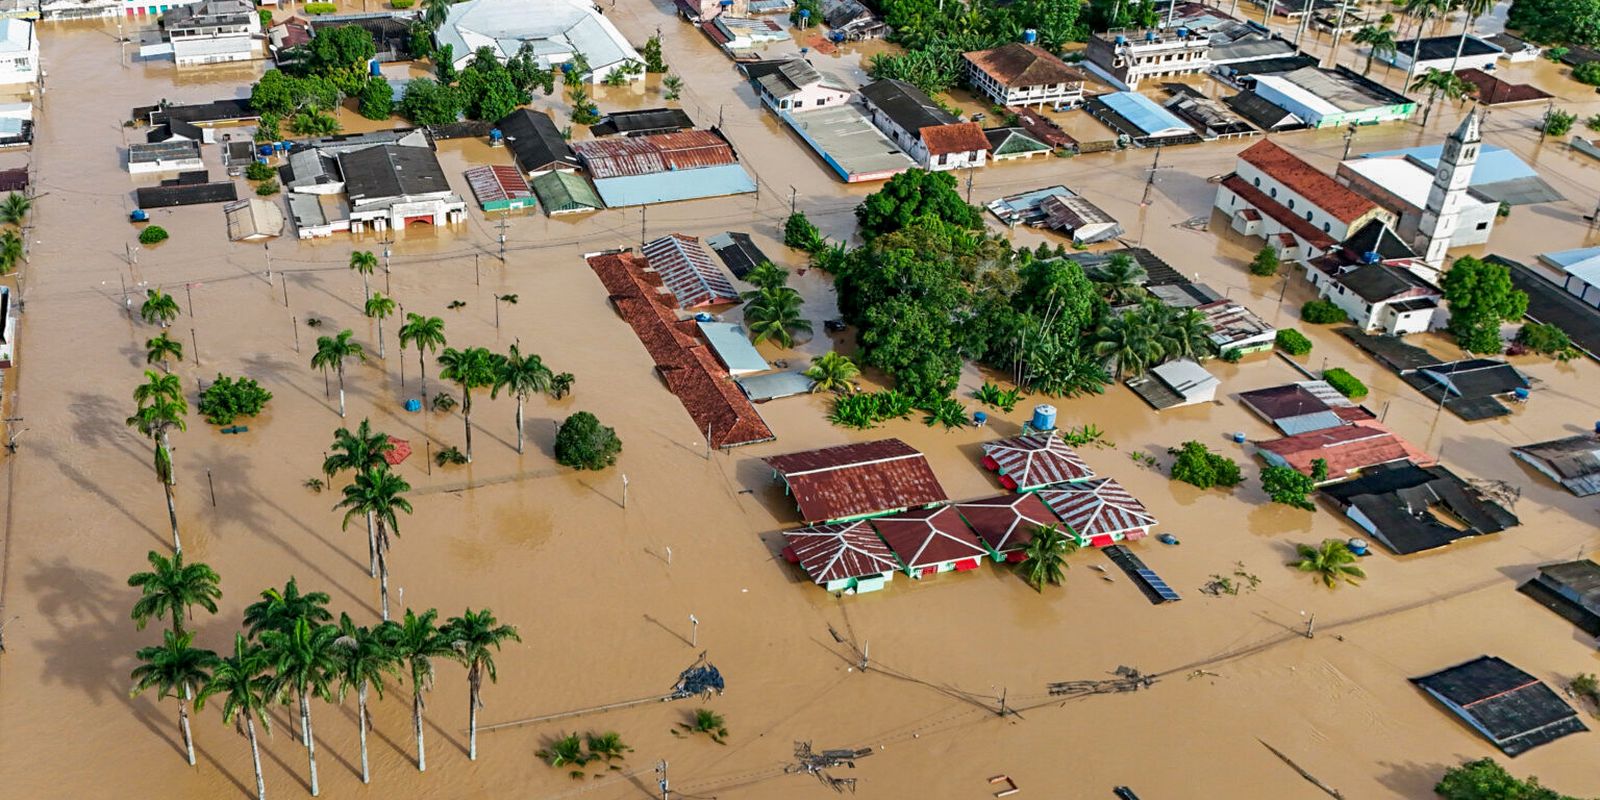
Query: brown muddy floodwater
x,y
604,616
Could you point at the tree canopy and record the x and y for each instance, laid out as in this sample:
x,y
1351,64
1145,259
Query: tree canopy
x,y
1556,21
911,194
1486,780
428,102
583,443
1481,299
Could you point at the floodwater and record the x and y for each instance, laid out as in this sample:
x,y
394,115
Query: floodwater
x,y
602,606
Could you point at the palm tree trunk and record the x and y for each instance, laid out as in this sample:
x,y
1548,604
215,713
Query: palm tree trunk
x,y
372,548
519,424
311,740
255,756
341,388
416,722
172,516
1466,27
304,741
1416,48
466,416
1370,53
380,337
472,720
183,722
422,369
361,722
383,582
365,289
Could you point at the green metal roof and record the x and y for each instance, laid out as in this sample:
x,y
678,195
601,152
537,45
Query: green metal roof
x,y
563,191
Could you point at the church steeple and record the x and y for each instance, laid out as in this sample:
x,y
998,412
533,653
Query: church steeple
x,y
1450,182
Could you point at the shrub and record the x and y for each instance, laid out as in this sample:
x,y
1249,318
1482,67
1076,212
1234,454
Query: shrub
x,y
1587,72
1291,487
1233,355
266,18
1592,123
154,234
258,171
992,395
1485,780
228,399
1293,342
1266,262
320,8
450,455
267,187
1547,340
401,5
1557,122
1554,54
1346,384
1322,312
799,233
1196,465
583,443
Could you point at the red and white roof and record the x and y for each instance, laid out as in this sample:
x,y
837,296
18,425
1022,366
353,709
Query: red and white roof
x,y
927,537
837,552
1006,522
1037,459
1097,507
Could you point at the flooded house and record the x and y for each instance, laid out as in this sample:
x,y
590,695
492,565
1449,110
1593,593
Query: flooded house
x,y
1572,461
1347,449
1099,511
1006,523
845,557
663,168
1409,508
1273,191
1515,711
19,52
1304,406
208,32
794,85
934,138
536,143
1444,53
1571,589
1126,58
1024,74
1328,98
855,481
499,187
928,541
1236,329
1034,461
1177,383
557,30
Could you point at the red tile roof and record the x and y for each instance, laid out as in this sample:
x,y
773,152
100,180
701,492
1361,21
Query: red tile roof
x,y
835,552
1017,65
1283,216
1037,459
1006,522
1306,180
957,137
855,479
689,370
927,537
1347,449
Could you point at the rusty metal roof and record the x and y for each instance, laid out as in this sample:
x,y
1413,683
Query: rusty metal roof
x,y
611,158
688,272
497,182
927,537
692,149
856,479
835,552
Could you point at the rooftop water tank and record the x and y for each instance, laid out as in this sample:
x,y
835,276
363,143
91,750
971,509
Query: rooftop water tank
x,y
1044,417
496,138
1030,36
1183,33
1521,393
805,13
1149,36
1370,257
1121,40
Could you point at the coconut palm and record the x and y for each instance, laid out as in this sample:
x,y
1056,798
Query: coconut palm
x,y
473,636
377,494
1130,340
10,250
1379,42
709,723
279,610
1438,82
1120,280
1331,562
162,407
1183,333
161,349
428,334
158,387
417,641
158,308
246,689
304,661
767,275
14,208
380,308
364,262
472,368
332,352
775,314
173,587
1421,11
832,372
364,661
523,376
174,668
1045,556
1471,10
359,451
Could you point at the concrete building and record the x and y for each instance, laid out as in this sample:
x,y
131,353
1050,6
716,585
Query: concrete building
x,y
1437,209
1333,98
1272,191
1381,297
208,32
1441,217
793,84
391,186
176,155
555,29
1439,52
19,52
849,144
1176,383
1125,57
1018,74
929,134
1579,272
1236,328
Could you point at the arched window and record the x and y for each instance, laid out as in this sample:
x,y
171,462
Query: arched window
x,y
1291,204
1308,216
1273,191
1326,228
1258,181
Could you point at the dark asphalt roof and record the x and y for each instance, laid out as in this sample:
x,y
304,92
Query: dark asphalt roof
x,y
642,122
1271,66
391,171
1437,47
906,105
1571,589
1394,353
186,194
536,142
1263,113
737,251
1551,305
1377,237
218,111
1375,283
1516,710
1397,498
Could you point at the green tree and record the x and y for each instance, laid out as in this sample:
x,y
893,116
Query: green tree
x,y
488,88
427,333
1266,262
376,495
159,308
303,661
364,659
14,208
775,314
1197,466
673,86
1557,21
1557,122
276,93
767,275
11,251
1045,556
911,194
358,452
472,368
227,399
583,443
417,641
1486,780
377,98
1292,487
444,63
475,636
800,234
174,668
1380,42
332,352
1439,82
1120,280
428,102
341,54
161,349
172,587
1421,11
160,408
523,376
654,63
1060,290
380,308
832,372
364,262
583,110
1547,340
1184,333
246,690
1331,562
314,122
1481,299
1131,340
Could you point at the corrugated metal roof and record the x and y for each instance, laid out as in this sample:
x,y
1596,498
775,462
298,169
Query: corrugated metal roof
x,y
563,192
841,551
688,272
857,479
1038,459
691,149
927,537
733,347
667,187
497,182
1006,522
610,158
1097,507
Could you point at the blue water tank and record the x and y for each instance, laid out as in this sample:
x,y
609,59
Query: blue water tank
x,y
1030,36
375,68
1121,40
265,149
566,67
1183,33
1044,417
1370,257
979,418
1149,36
702,317
413,405
1358,546
495,137
805,13
1238,437
139,215
1521,393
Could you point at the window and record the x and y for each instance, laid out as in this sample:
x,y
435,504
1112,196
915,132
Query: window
x,y
1482,226
1308,216
1258,181
1326,228
1291,204
1273,191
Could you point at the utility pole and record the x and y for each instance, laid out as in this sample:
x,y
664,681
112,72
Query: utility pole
x,y
267,248
1349,137
502,239
188,290
1544,123
641,230
624,490
1150,180
195,340
969,185
694,630
792,195
661,769
1311,627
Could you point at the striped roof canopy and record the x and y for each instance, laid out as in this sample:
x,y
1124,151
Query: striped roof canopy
x,y
1006,522
1097,507
928,537
686,268
836,552
1037,459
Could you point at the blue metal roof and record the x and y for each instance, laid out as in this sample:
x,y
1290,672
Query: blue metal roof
x,y
1495,164
1142,111
671,186
731,345
773,385
1567,258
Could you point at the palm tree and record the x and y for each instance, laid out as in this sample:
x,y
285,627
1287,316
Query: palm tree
x,y
1421,11
767,275
775,314
1045,556
472,368
709,723
173,587
365,658
303,660
10,250
1379,42
332,352
158,308
417,641
473,635
364,262
1471,10
174,668
246,689
357,452
380,308
1130,340
832,372
377,494
279,610
1437,82
1120,280
161,408
1331,562
158,387
522,376
162,348
14,208
428,334
1183,333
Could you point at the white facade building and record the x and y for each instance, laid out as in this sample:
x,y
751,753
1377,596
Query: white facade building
x,y
931,136
208,32
1273,191
555,29
19,52
1449,191
1382,297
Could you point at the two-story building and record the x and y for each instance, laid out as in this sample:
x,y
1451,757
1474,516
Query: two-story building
x,y
208,32
19,52
1126,58
933,137
1381,297
793,84
1021,75
1273,192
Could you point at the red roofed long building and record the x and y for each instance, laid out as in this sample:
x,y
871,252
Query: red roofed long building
x,y
851,481
1006,523
1348,449
1272,191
